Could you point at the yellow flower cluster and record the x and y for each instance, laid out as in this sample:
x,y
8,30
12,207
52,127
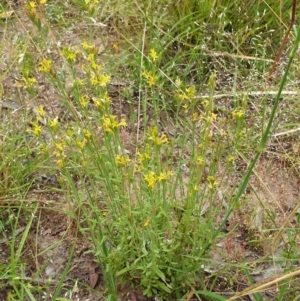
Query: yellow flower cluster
x,y
54,123
101,103
122,160
45,66
91,5
153,55
144,156
28,82
238,114
156,137
59,153
69,54
81,143
88,47
211,181
151,178
187,94
36,129
150,77
210,117
100,79
31,9
110,124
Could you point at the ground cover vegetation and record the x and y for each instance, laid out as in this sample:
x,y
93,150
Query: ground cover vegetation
x,y
144,154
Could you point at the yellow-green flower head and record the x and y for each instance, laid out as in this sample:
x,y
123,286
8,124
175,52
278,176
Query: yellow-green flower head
x,y
150,179
45,66
153,55
156,138
54,123
122,160
110,124
150,77
69,54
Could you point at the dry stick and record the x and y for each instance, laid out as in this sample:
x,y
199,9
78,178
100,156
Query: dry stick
x,y
264,285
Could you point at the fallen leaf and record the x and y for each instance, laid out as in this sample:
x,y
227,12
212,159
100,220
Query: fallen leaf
x,y
93,275
132,297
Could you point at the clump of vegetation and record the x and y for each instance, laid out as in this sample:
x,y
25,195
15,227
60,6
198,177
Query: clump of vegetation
x,y
143,121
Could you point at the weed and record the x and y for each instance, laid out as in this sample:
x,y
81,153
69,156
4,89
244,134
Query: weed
x,y
149,176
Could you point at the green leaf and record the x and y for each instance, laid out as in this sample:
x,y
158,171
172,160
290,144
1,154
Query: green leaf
x,y
159,273
210,294
164,287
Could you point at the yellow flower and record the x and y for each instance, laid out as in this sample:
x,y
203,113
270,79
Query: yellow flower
x,y
95,66
109,123
59,149
100,103
190,91
106,98
36,128
45,66
151,78
81,143
200,161
210,117
181,96
158,140
150,179
212,82
164,176
211,180
238,114
53,123
177,81
94,80
115,47
122,123
31,4
205,103
143,156
103,79
122,160
31,9
147,223
69,54
43,2
185,107
84,100
78,82
61,162
87,134
29,81
230,159
41,111
91,57
153,55
86,46
195,117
